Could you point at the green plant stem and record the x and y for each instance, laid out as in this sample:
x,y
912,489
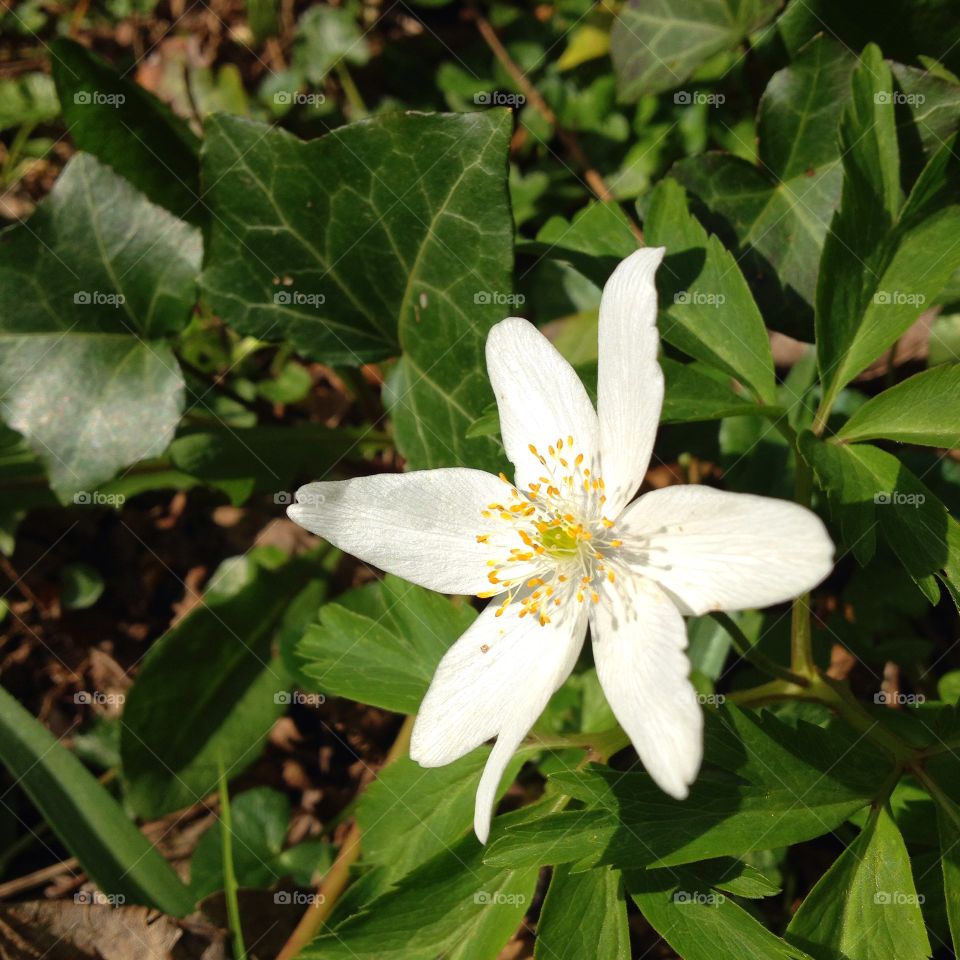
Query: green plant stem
x,y
748,651
936,792
358,109
801,652
229,874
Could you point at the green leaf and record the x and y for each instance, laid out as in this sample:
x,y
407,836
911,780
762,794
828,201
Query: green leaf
x,y
867,486
178,721
86,818
923,409
584,915
80,586
125,126
325,37
88,289
29,98
260,818
657,44
380,644
695,392
706,308
748,797
454,906
865,906
388,236
949,830
410,814
701,924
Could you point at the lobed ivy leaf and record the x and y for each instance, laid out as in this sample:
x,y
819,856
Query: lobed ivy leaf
x,y
89,289
386,237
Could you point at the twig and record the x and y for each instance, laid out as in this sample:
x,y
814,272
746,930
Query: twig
x,y
569,140
337,877
12,887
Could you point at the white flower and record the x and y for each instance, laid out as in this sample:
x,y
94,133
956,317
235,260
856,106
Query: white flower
x,y
563,547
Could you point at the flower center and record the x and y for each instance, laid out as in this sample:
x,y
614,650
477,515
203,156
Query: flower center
x,y
556,531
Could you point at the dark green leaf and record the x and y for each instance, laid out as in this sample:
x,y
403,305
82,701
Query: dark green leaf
x,y
865,906
85,817
706,308
123,125
29,98
949,829
695,393
88,287
178,721
381,644
657,44
385,237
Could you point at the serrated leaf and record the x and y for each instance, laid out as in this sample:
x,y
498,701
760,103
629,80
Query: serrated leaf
x,y
694,392
89,286
657,44
389,236
706,308
748,797
922,409
179,722
380,644
702,924
125,126
85,816
865,906
584,915
453,906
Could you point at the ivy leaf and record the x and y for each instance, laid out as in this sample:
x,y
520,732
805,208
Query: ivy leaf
x,y
227,701
922,409
865,907
657,44
89,287
125,126
380,644
706,307
584,915
391,236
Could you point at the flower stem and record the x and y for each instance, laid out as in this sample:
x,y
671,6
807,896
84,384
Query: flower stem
x,y
229,874
747,650
337,877
801,651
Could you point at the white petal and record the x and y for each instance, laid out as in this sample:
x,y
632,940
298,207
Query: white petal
x,y
712,550
422,526
629,378
495,681
541,401
639,639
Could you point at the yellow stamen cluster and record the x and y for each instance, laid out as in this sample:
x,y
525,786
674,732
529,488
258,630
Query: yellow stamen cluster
x,y
568,551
